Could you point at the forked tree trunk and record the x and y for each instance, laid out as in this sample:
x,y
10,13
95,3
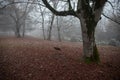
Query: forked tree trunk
x,y
50,28
89,18
90,52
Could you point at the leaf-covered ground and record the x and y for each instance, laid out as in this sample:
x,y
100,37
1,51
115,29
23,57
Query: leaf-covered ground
x,y
34,59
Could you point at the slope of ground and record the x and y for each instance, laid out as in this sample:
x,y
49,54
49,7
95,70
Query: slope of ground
x,y
33,59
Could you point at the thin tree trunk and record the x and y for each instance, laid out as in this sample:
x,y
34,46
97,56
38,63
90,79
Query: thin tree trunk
x,y
23,30
58,27
43,22
52,21
43,26
18,33
50,29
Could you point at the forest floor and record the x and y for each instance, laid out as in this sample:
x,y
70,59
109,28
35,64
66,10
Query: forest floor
x,y
34,59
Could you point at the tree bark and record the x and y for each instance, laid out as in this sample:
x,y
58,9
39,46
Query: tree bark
x,y
90,52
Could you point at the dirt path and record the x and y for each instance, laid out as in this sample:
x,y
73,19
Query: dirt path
x,y
33,59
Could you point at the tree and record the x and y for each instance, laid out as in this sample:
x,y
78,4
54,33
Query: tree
x,y
114,31
43,21
51,25
55,3
6,23
18,12
58,29
65,29
19,15
89,13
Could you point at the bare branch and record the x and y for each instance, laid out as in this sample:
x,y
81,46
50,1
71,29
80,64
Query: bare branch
x,y
111,19
110,4
59,13
70,6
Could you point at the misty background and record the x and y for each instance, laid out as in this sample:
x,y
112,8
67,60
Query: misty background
x,y
32,18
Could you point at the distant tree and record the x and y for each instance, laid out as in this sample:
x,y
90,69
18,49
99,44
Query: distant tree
x,y
55,3
18,12
65,28
59,29
43,21
51,26
113,27
89,13
6,23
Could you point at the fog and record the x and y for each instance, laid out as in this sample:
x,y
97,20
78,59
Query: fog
x,y
36,21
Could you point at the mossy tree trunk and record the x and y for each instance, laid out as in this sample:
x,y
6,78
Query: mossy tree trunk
x,y
90,52
89,16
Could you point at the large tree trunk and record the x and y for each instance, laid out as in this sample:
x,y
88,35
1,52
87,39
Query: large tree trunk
x,y
90,52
